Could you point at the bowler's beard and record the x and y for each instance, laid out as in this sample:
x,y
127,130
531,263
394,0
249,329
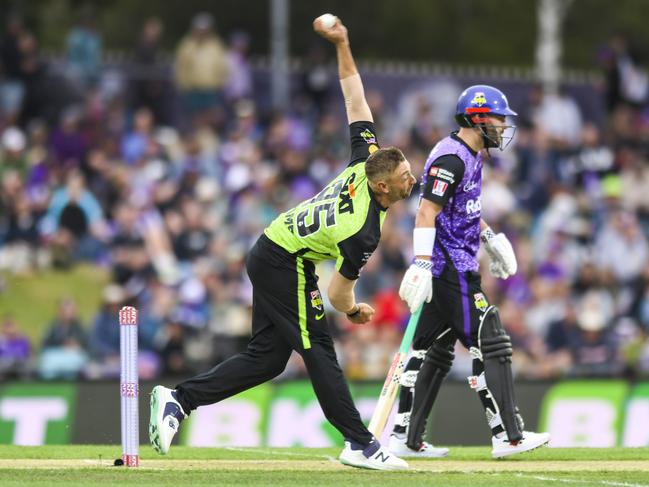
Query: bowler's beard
x,y
406,193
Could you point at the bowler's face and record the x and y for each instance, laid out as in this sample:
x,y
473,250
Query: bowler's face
x,y
401,182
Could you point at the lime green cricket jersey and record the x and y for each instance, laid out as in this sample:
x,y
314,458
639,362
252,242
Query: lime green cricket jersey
x,y
343,221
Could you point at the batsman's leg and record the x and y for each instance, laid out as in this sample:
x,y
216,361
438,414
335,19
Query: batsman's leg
x,y
414,388
437,363
406,390
494,383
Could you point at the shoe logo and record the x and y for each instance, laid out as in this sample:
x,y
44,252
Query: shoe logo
x,y
319,317
382,456
173,423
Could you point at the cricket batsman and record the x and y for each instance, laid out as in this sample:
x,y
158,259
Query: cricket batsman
x,y
444,279
341,223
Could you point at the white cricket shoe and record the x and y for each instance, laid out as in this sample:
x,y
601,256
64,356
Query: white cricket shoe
x,y
502,447
374,457
166,415
398,446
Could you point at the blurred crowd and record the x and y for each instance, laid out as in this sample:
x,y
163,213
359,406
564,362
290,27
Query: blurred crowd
x,y
164,172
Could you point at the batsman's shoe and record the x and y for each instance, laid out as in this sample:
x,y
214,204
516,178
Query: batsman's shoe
x,y
373,456
502,447
398,447
166,415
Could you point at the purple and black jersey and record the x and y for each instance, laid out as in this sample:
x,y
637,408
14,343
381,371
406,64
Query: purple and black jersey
x,y
453,179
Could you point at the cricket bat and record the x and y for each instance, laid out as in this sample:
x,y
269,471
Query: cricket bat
x,y
391,385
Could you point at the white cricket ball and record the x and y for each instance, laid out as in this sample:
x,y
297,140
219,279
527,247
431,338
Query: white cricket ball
x,y
327,20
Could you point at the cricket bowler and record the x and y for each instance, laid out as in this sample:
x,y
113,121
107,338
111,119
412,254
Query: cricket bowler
x,y
342,223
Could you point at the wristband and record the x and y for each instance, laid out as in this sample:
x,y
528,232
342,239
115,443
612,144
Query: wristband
x,y
351,315
423,241
487,234
427,265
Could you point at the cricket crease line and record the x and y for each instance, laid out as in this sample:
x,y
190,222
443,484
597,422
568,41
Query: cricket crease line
x,y
292,454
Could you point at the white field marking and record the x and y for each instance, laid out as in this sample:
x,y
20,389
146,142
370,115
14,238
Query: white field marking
x,y
97,461
290,454
572,481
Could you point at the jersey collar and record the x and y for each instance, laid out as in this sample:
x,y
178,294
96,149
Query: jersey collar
x,y
373,198
455,137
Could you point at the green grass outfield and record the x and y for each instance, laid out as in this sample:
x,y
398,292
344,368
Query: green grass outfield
x,y
33,299
89,464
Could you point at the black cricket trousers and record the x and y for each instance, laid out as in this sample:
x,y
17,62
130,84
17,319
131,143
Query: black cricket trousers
x,y
287,315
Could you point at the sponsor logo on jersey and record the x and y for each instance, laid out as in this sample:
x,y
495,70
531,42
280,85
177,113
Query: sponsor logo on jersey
x,y
289,219
479,99
441,173
316,300
469,186
372,148
473,206
439,187
446,175
346,203
368,136
480,301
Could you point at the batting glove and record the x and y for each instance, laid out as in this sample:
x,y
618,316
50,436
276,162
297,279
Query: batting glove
x,y
417,284
496,270
503,260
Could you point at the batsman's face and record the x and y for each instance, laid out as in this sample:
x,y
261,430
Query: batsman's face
x,y
496,126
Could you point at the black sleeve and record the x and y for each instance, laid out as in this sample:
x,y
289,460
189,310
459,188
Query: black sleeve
x,y
357,249
363,141
442,179
349,264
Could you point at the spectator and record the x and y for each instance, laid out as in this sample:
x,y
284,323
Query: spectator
x,y
21,238
317,80
13,142
83,51
626,82
591,163
239,84
559,118
12,88
15,351
41,97
194,239
201,68
150,88
557,341
593,348
634,178
137,143
74,222
67,142
104,333
172,349
622,248
63,351
128,253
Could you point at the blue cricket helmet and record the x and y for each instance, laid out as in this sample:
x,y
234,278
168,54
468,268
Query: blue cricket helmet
x,y
479,100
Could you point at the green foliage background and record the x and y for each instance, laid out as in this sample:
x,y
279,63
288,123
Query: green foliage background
x,y
501,32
